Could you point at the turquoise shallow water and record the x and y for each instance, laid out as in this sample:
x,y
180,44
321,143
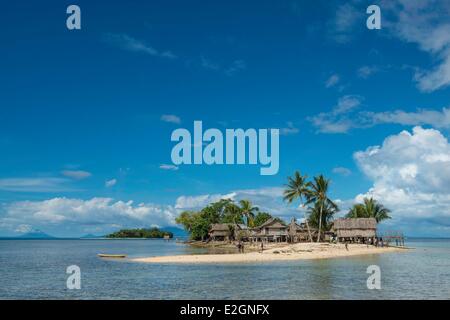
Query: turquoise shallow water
x,y
36,269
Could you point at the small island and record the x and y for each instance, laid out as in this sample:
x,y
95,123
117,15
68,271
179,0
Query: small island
x,y
152,233
257,236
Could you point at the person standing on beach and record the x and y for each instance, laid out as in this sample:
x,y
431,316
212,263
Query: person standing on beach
x,y
262,246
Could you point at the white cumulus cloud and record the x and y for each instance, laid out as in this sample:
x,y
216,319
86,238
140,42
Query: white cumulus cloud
x,y
290,129
200,201
346,115
168,167
110,183
170,118
344,24
342,171
76,174
425,23
129,43
42,184
23,228
93,212
268,199
366,71
332,81
338,119
411,175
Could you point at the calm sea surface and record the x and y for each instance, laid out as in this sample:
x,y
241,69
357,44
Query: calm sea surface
x,y
36,269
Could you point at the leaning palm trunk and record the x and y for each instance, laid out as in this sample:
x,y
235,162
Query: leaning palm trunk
x,y
307,225
309,231
320,222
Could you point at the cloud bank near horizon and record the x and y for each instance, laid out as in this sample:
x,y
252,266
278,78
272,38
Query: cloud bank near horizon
x,y
410,172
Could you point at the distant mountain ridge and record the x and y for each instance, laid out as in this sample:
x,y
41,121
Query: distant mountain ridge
x,y
39,234
35,234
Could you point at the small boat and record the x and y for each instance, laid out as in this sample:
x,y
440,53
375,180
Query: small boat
x,y
116,256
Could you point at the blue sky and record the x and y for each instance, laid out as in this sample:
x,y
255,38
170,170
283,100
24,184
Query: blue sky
x,y
86,115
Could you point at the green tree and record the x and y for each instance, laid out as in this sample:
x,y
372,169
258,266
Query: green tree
x,y
200,228
232,214
140,233
215,211
298,188
319,196
370,208
327,216
186,219
199,223
196,223
248,211
260,218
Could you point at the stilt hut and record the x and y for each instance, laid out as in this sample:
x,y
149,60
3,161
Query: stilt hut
x,y
360,230
228,231
271,230
298,232
221,231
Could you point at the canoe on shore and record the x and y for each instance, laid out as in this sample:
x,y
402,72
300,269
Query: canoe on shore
x,y
117,256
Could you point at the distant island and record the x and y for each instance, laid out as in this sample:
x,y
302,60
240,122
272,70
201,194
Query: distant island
x,y
36,234
152,233
91,236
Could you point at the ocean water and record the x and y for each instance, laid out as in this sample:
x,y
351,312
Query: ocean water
x,y
36,269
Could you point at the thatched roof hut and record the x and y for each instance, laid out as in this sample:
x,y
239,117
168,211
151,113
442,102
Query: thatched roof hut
x,y
272,230
355,227
272,226
224,231
299,231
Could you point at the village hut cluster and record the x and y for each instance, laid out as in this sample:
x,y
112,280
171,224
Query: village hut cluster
x,y
344,230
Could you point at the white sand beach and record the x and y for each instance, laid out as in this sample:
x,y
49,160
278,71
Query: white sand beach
x,y
278,252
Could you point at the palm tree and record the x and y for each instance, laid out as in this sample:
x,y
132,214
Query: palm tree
x,y
371,208
319,196
248,211
298,188
327,216
232,214
357,211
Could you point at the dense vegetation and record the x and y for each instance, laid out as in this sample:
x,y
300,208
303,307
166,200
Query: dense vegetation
x,y
320,209
315,203
314,196
140,233
370,208
198,223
